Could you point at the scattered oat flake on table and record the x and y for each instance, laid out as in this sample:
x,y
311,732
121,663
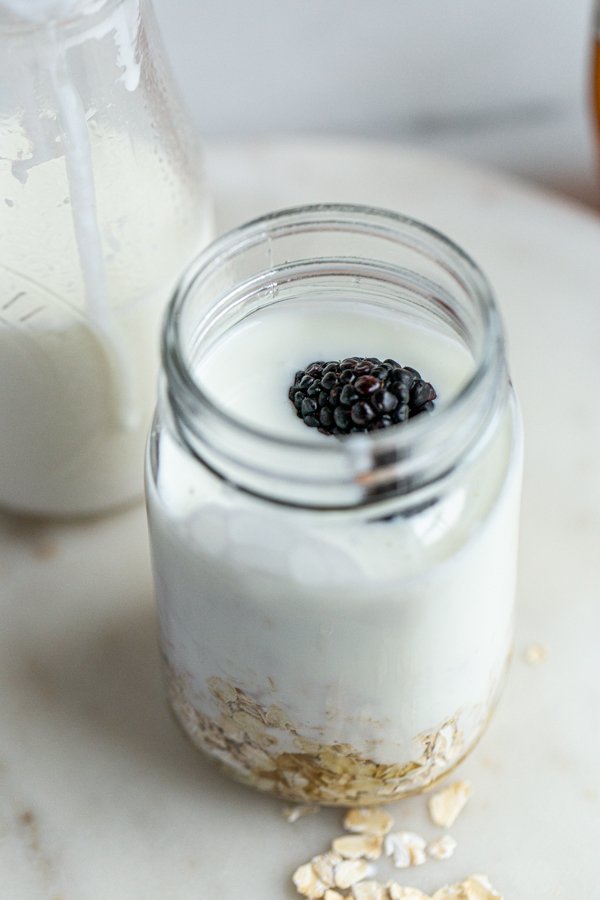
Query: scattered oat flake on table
x,y
371,820
446,805
324,866
402,892
406,848
292,813
479,888
535,654
358,846
443,847
313,878
330,894
369,890
351,871
450,892
307,883
475,887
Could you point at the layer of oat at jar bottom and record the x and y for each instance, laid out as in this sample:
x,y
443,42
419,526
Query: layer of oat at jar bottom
x,y
337,658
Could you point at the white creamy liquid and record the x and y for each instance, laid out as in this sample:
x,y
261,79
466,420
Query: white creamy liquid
x,y
366,632
249,372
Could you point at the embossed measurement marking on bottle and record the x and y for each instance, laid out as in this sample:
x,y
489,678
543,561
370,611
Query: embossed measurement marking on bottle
x,y
25,300
25,317
19,314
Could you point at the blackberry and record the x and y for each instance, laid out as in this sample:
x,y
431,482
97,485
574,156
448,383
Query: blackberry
x,y
359,394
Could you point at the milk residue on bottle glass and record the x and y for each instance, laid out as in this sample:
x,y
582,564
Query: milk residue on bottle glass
x,y
101,203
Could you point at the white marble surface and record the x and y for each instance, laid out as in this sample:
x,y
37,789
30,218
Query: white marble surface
x,y
100,796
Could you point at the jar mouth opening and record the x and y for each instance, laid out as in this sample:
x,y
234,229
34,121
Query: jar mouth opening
x,y
422,448
327,215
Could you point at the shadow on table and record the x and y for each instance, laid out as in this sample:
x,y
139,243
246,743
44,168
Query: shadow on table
x,y
103,687
80,669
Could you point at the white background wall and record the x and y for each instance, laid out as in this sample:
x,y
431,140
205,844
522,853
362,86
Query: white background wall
x,y
503,82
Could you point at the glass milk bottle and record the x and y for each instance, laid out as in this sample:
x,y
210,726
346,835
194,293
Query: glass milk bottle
x,y
335,609
102,201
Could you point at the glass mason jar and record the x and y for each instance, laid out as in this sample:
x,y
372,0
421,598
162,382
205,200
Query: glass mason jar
x,y
335,613
102,202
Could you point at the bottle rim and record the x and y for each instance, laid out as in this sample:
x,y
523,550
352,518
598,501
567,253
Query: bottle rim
x,y
82,14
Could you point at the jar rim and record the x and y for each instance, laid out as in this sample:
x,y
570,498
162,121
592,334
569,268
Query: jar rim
x,y
376,222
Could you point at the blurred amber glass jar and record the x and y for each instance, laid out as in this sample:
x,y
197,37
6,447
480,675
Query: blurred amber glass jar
x,y
596,71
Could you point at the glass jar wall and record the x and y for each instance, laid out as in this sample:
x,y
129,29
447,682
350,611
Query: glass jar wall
x,y
336,612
